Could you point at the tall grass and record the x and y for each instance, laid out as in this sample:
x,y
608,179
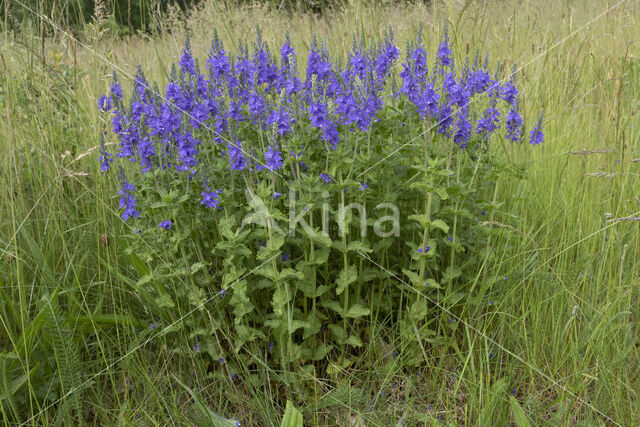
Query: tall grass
x,y
559,345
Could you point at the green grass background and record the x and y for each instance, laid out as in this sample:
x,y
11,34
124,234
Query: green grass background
x,y
73,347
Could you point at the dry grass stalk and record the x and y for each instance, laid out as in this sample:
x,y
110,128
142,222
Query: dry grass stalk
x,y
626,218
602,174
594,151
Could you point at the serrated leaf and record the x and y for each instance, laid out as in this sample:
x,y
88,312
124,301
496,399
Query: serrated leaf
x,y
232,275
345,278
451,273
418,310
164,301
420,219
246,334
334,306
318,237
358,246
240,301
442,192
289,273
357,310
438,223
414,278
195,267
144,279
280,299
196,297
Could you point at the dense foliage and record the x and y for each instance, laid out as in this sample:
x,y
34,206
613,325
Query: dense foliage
x,y
277,210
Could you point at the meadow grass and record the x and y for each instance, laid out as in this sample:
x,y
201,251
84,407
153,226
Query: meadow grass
x,y
560,344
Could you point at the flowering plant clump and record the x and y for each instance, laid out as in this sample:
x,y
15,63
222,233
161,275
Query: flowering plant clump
x,y
294,208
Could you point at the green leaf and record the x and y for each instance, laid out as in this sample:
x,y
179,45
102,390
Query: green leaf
x,y
318,237
359,246
322,351
354,341
334,306
196,297
345,278
451,273
240,301
420,219
357,310
442,192
232,275
419,310
195,267
337,332
438,223
414,278
289,273
164,301
518,414
280,299
292,417
245,335
294,325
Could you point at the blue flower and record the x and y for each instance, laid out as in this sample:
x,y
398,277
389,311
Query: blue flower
x,y
236,157
104,103
363,186
187,151
464,127
105,158
513,124
210,198
127,199
273,159
281,120
326,178
317,114
489,122
509,93
276,195
444,52
387,56
287,53
186,61
115,89
166,224
536,136
445,119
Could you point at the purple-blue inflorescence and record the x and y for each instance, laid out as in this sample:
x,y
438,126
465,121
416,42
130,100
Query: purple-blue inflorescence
x,y
166,224
536,135
247,110
127,199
